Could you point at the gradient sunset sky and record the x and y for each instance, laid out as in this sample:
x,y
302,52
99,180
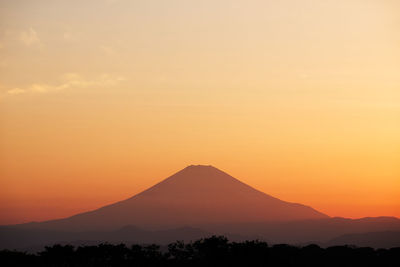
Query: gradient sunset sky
x,y
101,99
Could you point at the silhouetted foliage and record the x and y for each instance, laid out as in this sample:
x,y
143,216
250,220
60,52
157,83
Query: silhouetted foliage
x,y
213,251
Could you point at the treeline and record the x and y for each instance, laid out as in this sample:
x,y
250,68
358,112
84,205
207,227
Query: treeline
x,y
213,251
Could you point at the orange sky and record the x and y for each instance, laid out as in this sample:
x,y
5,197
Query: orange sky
x,y
102,99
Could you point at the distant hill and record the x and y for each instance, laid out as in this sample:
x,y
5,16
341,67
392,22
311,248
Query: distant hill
x,y
324,232
386,239
36,239
316,230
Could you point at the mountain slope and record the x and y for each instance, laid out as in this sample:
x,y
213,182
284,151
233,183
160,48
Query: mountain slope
x,y
195,195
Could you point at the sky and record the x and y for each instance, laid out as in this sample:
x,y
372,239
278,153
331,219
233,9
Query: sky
x,y
100,100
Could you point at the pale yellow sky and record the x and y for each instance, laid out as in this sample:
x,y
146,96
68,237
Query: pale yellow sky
x,y
101,99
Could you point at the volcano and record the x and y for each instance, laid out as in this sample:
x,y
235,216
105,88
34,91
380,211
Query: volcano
x,y
196,195
194,203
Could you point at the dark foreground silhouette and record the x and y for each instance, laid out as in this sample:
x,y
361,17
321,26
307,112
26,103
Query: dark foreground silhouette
x,y
213,251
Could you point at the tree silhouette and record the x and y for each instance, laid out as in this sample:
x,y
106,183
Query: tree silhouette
x,y
212,251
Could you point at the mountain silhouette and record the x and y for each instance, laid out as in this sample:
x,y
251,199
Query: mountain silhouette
x,y
193,196
196,202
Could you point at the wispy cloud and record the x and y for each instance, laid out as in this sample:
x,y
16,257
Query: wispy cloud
x,y
70,81
29,37
16,91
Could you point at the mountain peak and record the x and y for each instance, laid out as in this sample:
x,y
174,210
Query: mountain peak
x,y
200,168
205,176
194,179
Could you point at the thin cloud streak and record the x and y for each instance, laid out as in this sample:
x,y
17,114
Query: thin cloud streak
x,y
70,80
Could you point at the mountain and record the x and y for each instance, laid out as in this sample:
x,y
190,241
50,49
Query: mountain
x,y
196,202
193,196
